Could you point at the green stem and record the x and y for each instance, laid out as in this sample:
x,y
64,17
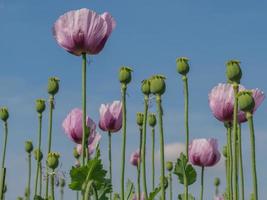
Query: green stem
x,y
230,161
52,196
159,110
202,183
110,160
241,163
28,197
216,190
143,157
87,191
139,167
84,106
77,195
61,193
95,192
170,183
123,92
153,158
39,149
185,187
186,113
51,102
235,167
40,180
253,155
3,169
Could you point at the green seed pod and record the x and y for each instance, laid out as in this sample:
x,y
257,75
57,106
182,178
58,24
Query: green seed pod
x,y
246,101
233,71
152,120
62,182
52,160
28,146
145,87
40,105
225,151
169,166
182,65
157,84
38,155
139,118
19,198
217,181
75,153
4,113
125,75
53,85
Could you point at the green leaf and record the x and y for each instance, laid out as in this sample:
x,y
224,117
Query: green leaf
x,y
154,193
105,189
116,196
78,177
184,169
37,197
130,190
182,197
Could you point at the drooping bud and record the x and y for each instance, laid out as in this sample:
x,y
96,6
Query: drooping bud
x,y
233,71
146,87
76,153
4,113
125,75
169,166
40,105
225,151
62,182
246,101
157,84
217,181
139,118
38,155
152,120
52,160
28,146
53,85
182,65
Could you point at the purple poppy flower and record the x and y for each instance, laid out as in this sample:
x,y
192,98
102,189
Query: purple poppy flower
x,y
135,197
72,125
111,116
135,158
204,152
83,31
93,141
219,197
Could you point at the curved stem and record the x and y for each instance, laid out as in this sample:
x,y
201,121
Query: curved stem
x,y
241,163
52,196
84,106
39,149
170,183
162,161
153,158
143,157
51,103
186,113
230,161
123,92
202,183
235,167
253,155
139,167
110,160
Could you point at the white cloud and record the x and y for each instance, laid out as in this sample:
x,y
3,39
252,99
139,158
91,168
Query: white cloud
x,y
172,151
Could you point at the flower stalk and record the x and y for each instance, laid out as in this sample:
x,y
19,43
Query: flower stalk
x,y
202,183
241,163
139,166
110,160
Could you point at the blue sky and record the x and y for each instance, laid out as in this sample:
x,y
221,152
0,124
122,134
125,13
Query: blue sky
x,y
149,36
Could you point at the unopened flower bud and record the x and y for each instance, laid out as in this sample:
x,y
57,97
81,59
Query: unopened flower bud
x,y
182,65
233,71
246,101
38,155
217,181
157,84
40,105
145,87
76,153
139,118
4,114
225,151
28,146
53,85
152,120
169,166
62,182
52,160
125,75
